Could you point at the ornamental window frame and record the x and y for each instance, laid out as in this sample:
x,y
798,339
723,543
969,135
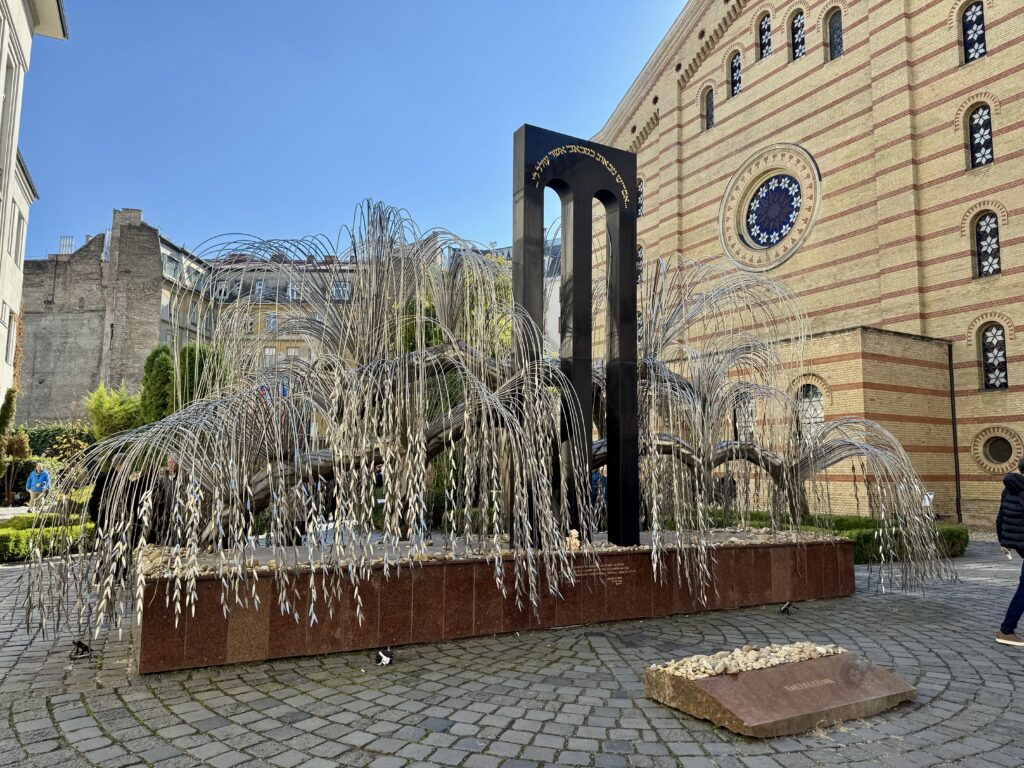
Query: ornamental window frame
x,y
639,198
797,47
707,109
639,264
810,410
734,74
992,359
986,250
763,43
974,39
834,44
744,418
979,135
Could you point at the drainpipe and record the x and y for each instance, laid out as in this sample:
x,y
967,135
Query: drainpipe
x,y
956,445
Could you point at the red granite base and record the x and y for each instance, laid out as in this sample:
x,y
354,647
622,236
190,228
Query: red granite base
x,y
451,599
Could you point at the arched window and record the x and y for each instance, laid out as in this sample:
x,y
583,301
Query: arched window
x,y
639,265
764,39
993,357
709,109
979,128
972,26
987,259
744,418
735,75
834,27
796,35
810,410
639,198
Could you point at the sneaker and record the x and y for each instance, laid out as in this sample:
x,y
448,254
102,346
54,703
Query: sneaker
x,y
1013,639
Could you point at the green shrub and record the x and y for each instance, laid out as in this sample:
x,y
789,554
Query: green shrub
x,y
157,399
14,544
7,410
953,538
33,520
200,369
59,439
112,410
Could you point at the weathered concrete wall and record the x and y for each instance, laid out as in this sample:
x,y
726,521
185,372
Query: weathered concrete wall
x,y
63,311
136,284
88,321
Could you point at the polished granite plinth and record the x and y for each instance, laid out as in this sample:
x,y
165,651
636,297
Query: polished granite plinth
x,y
787,699
445,600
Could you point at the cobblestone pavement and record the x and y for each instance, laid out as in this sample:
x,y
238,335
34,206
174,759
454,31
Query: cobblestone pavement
x,y
566,697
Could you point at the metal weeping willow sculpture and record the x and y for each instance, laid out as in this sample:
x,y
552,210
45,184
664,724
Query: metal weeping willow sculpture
x,y
418,372
380,400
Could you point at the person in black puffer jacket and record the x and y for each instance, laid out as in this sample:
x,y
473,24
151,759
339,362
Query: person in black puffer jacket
x,y
1010,532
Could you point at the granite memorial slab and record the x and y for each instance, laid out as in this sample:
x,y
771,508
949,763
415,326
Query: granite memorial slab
x,y
786,699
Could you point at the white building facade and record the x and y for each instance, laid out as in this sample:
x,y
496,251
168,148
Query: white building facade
x,y
20,21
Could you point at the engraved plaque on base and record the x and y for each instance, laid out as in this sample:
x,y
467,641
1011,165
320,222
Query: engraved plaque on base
x,y
787,699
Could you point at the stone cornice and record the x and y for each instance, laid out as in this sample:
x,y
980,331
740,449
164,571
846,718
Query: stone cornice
x,y
714,18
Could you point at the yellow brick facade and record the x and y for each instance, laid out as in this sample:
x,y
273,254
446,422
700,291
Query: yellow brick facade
x,y
890,253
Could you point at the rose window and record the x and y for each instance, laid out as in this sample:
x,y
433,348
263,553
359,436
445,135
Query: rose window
x,y
773,210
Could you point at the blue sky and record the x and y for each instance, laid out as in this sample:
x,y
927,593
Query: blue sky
x,y
216,116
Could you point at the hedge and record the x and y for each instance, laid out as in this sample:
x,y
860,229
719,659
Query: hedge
x,y
953,540
55,438
953,537
42,520
14,543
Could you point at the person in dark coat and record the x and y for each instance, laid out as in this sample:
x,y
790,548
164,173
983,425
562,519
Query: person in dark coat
x,y
1010,532
164,499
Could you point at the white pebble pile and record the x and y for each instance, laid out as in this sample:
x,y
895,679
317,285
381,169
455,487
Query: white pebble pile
x,y
746,659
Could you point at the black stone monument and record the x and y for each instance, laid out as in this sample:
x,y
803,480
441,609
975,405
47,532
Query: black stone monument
x,y
581,171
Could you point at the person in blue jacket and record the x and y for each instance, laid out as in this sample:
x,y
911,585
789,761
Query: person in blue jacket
x,y
37,484
1010,532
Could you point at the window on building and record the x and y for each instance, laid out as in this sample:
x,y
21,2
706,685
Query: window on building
x,y
250,322
993,357
193,315
639,198
764,38
972,25
639,265
5,314
744,418
14,218
258,287
293,292
341,290
170,267
294,352
19,239
979,130
12,338
810,410
709,109
998,450
834,29
271,322
735,75
796,34
165,307
987,258
269,357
